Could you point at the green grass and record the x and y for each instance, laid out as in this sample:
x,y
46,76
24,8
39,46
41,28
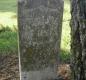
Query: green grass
x,y
66,38
8,42
8,5
8,26
8,38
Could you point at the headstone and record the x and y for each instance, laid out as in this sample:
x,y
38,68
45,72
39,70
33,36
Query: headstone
x,y
40,23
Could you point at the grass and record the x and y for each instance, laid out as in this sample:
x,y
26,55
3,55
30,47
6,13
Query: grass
x,y
8,26
8,6
66,38
8,10
8,38
8,42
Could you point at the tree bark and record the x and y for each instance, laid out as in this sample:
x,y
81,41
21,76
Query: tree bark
x,y
78,39
40,24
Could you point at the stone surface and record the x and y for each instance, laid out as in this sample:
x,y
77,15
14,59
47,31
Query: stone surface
x,y
40,23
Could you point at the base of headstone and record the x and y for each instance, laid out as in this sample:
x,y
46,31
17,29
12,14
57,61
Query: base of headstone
x,y
46,74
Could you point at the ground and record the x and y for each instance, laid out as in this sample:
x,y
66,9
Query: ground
x,y
9,67
64,71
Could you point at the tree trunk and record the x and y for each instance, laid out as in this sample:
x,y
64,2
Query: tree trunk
x,y
40,24
78,39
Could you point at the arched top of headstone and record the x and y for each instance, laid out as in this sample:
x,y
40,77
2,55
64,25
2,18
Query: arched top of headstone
x,y
30,4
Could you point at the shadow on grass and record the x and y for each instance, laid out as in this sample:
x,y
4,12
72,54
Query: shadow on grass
x,y
65,56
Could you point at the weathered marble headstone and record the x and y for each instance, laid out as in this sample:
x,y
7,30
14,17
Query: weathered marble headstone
x,y
40,23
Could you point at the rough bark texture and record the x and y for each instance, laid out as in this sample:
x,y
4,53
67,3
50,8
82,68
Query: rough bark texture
x,y
40,23
78,39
